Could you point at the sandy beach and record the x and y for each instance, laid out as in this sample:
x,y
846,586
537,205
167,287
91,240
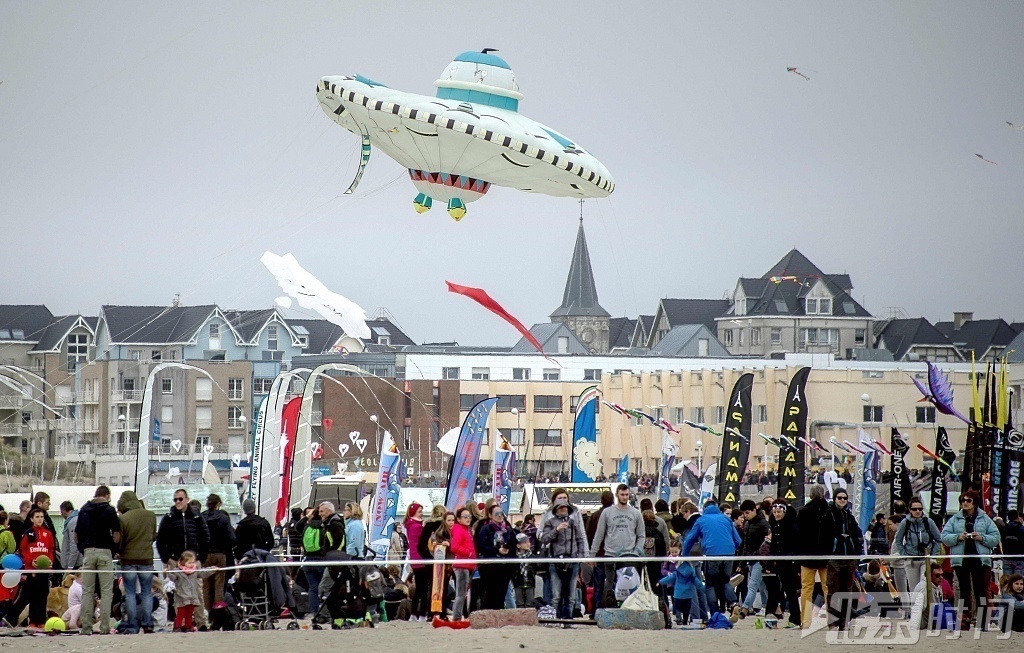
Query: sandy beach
x,y
421,638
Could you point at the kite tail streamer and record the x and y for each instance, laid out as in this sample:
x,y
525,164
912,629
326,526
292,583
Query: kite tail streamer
x,y
364,158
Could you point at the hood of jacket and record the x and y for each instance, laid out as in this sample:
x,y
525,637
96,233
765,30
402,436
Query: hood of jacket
x,y
712,510
128,501
93,506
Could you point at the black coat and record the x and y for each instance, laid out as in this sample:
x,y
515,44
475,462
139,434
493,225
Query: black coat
x,y
847,538
814,538
253,532
757,529
180,532
785,534
222,535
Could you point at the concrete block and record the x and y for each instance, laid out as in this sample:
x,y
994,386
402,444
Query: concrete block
x,y
619,619
501,618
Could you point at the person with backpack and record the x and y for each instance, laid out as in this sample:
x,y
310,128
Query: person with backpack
x,y
917,536
847,540
253,532
815,540
314,548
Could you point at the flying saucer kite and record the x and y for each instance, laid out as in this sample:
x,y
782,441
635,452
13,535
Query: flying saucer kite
x,y
466,139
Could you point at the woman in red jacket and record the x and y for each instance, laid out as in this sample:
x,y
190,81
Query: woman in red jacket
x,y
36,542
462,547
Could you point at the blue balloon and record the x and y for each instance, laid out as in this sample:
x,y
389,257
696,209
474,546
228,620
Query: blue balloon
x,y
11,561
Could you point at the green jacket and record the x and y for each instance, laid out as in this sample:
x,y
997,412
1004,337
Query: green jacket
x,y
7,543
138,529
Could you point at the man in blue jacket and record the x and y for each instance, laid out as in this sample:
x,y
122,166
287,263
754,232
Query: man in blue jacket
x,y
717,537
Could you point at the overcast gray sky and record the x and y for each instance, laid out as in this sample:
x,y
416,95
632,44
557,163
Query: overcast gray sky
x,y
154,148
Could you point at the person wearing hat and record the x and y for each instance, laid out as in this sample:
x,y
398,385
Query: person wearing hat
x,y
253,532
565,539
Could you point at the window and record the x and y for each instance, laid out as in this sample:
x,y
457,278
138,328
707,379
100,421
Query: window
x,y
741,336
873,414
204,389
563,344
926,414
515,437
167,386
481,373
521,373
466,402
235,418
719,414
26,417
78,350
755,337
547,403
762,414
201,441
702,346
678,415
811,306
204,417
825,306
507,402
780,306
547,437
166,415
262,385
272,337
450,373
551,375
697,415
155,355
214,336
591,375
848,308
236,387
136,354
776,336
728,337
859,336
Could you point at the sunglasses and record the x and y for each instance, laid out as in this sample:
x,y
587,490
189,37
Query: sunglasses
x,y
966,500
842,498
178,499
916,509
778,506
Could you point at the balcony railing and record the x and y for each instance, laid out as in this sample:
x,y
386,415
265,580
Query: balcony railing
x,y
316,418
10,429
125,396
11,401
132,424
77,425
84,397
156,450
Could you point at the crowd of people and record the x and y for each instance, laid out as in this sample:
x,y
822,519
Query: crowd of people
x,y
801,558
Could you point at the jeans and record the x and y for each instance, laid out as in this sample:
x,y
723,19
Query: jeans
x,y
510,598
313,577
563,588
462,578
138,579
840,579
753,586
99,559
699,608
972,577
717,575
1013,567
913,574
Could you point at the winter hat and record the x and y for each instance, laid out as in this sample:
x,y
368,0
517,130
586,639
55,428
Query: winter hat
x,y
561,501
249,506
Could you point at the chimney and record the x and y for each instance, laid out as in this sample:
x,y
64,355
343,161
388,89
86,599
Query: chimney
x,y
961,317
177,300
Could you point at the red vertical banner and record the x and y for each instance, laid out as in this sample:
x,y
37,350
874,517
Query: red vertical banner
x,y
289,431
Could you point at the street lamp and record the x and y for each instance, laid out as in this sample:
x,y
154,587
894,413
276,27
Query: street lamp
x,y
700,450
376,436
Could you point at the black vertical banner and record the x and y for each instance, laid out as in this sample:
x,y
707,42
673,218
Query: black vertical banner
x,y
1013,442
940,477
735,441
900,483
792,462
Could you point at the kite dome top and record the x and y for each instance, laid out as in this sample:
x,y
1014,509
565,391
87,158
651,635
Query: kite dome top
x,y
480,78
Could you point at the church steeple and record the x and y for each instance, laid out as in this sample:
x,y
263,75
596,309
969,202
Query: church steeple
x,y
580,309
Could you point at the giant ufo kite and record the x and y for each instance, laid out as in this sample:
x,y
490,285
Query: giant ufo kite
x,y
470,136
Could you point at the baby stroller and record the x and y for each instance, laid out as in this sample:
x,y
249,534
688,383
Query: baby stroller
x,y
345,600
262,593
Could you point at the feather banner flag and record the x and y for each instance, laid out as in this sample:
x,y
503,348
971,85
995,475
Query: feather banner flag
x,y
623,474
586,455
669,449
899,484
465,464
946,456
867,491
481,297
504,471
792,461
736,441
385,501
707,485
289,431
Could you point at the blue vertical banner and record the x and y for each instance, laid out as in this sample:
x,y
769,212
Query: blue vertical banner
x,y
504,471
623,474
867,491
385,501
156,430
707,485
586,455
669,449
465,463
